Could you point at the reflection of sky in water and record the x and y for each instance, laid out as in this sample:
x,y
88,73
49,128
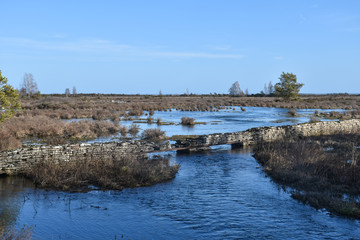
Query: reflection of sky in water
x,y
225,120
220,194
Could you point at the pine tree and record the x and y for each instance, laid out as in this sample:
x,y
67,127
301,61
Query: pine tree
x,y
9,99
288,88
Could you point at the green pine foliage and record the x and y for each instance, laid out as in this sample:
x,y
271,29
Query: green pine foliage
x,y
288,88
9,99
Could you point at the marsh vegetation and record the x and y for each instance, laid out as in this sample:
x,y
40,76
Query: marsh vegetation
x,y
97,173
322,171
50,118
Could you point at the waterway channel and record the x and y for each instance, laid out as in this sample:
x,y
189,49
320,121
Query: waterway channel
x,y
220,194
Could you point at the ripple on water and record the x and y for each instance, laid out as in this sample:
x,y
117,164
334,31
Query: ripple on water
x,y
222,195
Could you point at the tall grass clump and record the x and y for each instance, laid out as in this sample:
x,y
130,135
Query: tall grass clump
x,y
24,233
116,173
153,134
321,170
134,129
187,121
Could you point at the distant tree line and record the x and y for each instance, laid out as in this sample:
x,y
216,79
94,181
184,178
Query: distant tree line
x,y
288,88
67,91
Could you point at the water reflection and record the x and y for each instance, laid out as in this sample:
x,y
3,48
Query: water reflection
x,y
223,121
222,194
11,199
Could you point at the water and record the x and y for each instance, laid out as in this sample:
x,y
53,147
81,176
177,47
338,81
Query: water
x,y
222,194
223,121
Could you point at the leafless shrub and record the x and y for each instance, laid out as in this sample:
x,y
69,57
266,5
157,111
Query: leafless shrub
x,y
153,134
149,120
314,119
8,141
307,166
117,173
135,112
25,233
292,112
123,131
187,121
134,129
158,121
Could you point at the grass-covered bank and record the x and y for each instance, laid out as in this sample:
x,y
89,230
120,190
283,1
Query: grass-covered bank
x,y
322,171
115,174
57,119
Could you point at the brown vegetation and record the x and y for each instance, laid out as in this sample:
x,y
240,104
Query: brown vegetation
x,y
153,134
24,233
44,117
355,114
187,121
53,131
116,174
321,170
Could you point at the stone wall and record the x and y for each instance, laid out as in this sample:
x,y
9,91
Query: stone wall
x,y
12,162
256,135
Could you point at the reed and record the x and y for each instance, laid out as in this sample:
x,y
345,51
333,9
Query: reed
x,y
118,173
320,170
187,121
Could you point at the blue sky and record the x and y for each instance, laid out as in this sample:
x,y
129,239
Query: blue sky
x,y
200,45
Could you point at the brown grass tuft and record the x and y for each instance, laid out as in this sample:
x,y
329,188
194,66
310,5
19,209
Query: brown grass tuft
x,y
187,121
153,134
117,173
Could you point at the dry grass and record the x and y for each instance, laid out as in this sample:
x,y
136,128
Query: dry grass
x,y
320,169
153,134
41,118
118,173
25,233
51,130
187,121
134,130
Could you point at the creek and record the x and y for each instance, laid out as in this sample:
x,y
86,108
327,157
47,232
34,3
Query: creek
x,y
220,194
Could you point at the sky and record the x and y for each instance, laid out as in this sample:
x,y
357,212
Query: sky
x,y
179,46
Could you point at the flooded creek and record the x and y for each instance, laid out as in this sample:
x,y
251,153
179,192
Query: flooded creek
x,y
220,194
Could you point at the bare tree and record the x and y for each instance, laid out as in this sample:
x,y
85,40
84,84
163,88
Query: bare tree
x,y
271,88
235,89
266,89
67,92
29,86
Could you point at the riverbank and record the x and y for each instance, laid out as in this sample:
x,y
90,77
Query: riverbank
x,y
97,173
57,119
322,171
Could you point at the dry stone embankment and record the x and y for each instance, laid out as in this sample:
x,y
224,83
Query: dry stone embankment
x,y
12,162
267,134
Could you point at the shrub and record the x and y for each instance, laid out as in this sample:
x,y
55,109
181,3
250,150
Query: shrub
x,y
153,134
187,121
8,141
307,166
158,121
314,119
115,173
134,129
123,131
17,234
292,112
149,120
136,112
